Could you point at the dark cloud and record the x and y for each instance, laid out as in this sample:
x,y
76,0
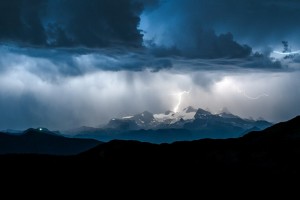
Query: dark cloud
x,y
193,29
255,20
20,21
202,28
67,62
205,44
297,58
93,23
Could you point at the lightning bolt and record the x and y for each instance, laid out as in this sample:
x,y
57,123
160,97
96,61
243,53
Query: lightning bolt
x,y
179,95
228,83
255,98
287,53
243,92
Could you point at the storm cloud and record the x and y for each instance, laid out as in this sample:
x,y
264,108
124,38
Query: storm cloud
x,y
210,28
93,23
65,64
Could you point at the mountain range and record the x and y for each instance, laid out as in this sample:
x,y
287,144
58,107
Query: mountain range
x,y
188,124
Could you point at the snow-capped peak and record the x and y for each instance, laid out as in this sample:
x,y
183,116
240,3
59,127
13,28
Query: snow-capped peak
x,y
190,109
225,113
171,117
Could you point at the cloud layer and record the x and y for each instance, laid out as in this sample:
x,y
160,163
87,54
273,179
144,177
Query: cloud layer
x,y
65,88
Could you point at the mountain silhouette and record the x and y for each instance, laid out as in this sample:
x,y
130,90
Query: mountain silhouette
x,y
276,149
282,131
43,141
272,152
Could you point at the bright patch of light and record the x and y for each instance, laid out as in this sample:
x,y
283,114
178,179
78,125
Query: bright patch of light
x,y
179,96
287,53
282,55
230,85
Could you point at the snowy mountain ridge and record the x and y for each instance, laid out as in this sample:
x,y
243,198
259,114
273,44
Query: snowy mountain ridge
x,y
187,117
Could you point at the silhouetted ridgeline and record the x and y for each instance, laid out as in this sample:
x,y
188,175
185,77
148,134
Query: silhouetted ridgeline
x,y
275,150
42,141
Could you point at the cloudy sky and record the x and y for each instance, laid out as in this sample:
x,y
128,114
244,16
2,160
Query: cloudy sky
x,y
64,64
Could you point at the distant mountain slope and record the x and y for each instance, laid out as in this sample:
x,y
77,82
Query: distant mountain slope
x,y
283,130
12,132
42,141
274,150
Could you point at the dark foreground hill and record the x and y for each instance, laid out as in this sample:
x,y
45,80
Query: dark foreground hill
x,y
274,151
